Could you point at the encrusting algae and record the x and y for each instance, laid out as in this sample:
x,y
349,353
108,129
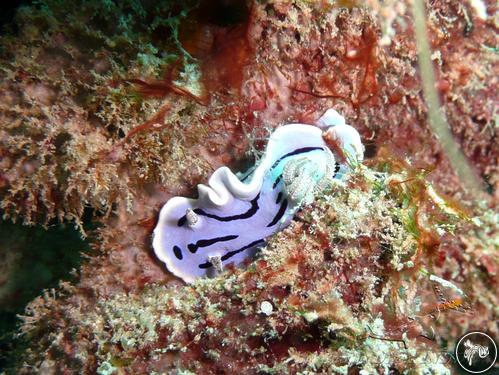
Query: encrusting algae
x,y
109,110
347,291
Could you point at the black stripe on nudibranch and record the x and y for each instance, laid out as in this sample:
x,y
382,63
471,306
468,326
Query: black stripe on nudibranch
x,y
178,252
182,221
279,197
230,254
295,152
204,243
280,213
276,182
245,215
336,167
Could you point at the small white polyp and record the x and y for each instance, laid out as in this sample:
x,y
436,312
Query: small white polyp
x,y
266,308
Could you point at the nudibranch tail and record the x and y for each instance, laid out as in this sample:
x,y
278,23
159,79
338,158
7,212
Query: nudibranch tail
x,y
231,218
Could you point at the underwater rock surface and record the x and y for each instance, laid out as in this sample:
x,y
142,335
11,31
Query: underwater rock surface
x,y
120,106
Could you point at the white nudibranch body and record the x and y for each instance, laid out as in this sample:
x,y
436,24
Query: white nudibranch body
x,y
231,218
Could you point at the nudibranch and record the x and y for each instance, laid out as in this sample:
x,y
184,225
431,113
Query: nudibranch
x,y
232,216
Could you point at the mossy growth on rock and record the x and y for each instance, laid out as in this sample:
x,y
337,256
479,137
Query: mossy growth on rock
x,y
347,282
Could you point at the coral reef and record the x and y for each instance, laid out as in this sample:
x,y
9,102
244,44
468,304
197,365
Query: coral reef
x,y
120,106
349,285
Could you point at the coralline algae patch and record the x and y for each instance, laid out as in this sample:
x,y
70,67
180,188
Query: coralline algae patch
x,y
329,303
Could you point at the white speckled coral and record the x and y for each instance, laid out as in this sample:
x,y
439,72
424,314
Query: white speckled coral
x,y
231,218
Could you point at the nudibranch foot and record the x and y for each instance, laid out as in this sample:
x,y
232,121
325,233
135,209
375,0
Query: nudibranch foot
x,y
232,217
